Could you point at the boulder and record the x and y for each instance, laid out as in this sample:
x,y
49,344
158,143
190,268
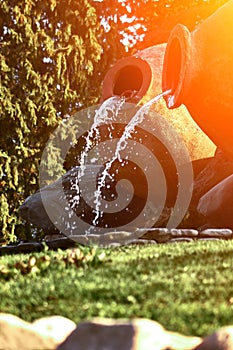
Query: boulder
x,y
44,333
215,170
208,172
222,339
217,204
55,194
59,195
56,327
138,334
34,212
17,334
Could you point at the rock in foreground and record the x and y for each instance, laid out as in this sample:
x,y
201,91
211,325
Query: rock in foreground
x,y
44,334
139,334
60,333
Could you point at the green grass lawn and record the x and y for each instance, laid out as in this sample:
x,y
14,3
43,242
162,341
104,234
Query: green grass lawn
x,y
187,287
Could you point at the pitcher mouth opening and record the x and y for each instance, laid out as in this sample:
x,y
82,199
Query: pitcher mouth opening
x,y
130,77
176,62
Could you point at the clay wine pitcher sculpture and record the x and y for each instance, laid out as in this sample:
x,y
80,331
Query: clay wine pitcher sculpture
x,y
142,74
198,67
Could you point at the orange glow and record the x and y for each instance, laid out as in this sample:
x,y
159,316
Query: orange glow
x,y
198,67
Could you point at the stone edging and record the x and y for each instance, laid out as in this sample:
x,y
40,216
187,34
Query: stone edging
x,y
164,235
114,239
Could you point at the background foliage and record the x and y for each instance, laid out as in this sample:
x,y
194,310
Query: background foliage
x,y
53,57
48,51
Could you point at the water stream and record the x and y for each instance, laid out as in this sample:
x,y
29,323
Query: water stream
x,y
114,105
130,170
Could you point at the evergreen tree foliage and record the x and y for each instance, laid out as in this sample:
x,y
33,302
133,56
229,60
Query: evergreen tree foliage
x,y
48,54
148,22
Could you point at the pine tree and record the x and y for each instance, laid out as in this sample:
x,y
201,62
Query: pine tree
x,y
49,51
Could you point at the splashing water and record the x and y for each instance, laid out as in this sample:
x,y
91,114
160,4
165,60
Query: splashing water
x,y
121,145
170,101
114,105
108,112
102,116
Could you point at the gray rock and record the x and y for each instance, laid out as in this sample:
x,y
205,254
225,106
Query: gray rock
x,y
217,204
60,209
61,243
222,339
55,194
160,235
207,174
28,247
94,336
208,239
138,334
17,334
108,239
216,169
56,327
216,233
180,240
117,335
164,235
21,247
33,211
190,233
143,242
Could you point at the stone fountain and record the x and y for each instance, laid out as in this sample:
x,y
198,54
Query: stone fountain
x,y
192,66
